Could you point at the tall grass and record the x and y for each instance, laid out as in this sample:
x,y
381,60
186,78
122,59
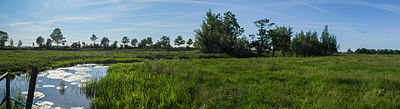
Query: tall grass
x,y
323,82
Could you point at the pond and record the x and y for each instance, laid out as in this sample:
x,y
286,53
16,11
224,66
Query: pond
x,y
50,93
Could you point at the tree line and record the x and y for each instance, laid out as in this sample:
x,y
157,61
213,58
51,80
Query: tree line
x,y
56,37
374,51
218,33
221,33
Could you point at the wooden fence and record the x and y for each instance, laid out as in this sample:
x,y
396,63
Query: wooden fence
x,y
7,99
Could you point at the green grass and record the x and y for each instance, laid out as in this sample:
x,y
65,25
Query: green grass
x,y
349,81
23,60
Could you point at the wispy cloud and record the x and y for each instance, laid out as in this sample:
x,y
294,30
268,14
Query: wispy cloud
x,y
323,10
51,21
84,3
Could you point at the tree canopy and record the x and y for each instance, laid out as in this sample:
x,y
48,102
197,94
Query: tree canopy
x,y
57,36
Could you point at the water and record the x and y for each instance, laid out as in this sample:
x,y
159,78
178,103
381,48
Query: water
x,y
48,93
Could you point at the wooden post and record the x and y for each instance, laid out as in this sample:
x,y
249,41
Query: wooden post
x,y
31,91
8,95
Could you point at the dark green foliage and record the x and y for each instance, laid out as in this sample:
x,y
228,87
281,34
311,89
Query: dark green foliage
x,y
377,51
76,45
281,39
3,38
262,42
219,34
57,36
146,43
349,51
11,43
115,44
179,41
328,42
134,42
189,42
49,42
19,43
308,44
105,42
40,41
165,42
125,40
93,38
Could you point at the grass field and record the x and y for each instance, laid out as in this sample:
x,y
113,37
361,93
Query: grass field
x,y
190,79
23,60
350,81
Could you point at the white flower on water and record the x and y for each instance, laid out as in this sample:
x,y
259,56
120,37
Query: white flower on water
x,y
48,86
43,105
60,87
57,74
73,83
36,95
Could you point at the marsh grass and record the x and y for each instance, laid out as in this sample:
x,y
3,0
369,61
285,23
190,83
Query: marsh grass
x,y
349,81
21,61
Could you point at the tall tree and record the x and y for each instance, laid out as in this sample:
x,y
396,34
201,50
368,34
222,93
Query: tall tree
x,y
189,42
125,41
134,42
40,41
105,42
11,42
218,34
93,38
179,41
165,42
328,44
115,44
19,43
49,42
3,38
149,41
57,36
281,39
262,43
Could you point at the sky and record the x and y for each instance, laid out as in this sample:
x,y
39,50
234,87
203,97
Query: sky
x,y
356,23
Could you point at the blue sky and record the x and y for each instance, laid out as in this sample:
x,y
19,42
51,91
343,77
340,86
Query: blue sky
x,y
356,23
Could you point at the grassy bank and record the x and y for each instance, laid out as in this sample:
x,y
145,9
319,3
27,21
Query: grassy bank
x,y
23,60
322,82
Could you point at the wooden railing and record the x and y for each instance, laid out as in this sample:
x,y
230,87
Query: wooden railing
x,y
7,99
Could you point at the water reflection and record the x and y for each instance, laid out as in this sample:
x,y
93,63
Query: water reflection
x,y
58,88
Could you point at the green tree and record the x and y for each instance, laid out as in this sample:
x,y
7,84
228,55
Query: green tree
x,y
115,44
125,41
57,36
306,44
165,42
3,38
189,42
49,42
218,34
262,43
134,42
93,38
105,42
281,39
19,43
349,51
11,42
179,41
40,41
76,45
328,44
